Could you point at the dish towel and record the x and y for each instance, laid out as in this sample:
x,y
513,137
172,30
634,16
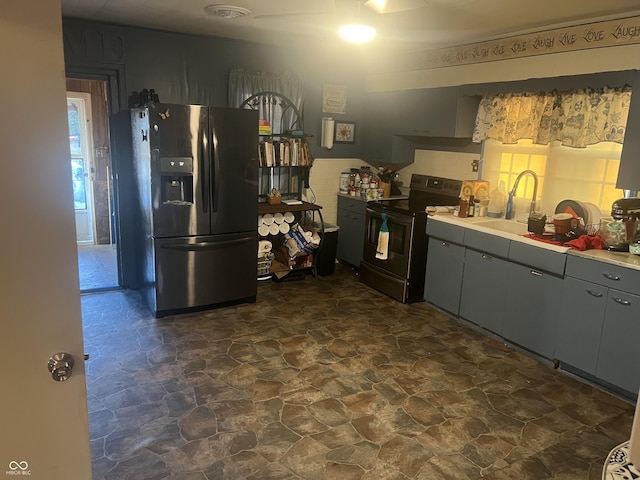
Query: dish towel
x,y
382,250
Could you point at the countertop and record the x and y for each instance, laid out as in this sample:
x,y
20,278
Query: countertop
x,y
623,259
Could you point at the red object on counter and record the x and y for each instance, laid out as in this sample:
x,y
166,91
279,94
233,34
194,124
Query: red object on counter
x,y
586,242
583,242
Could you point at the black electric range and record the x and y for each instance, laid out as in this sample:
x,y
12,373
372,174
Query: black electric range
x,y
401,274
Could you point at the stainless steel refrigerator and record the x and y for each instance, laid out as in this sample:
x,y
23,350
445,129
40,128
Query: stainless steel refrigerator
x,y
197,174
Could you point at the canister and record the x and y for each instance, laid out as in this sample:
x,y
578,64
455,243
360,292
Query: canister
x,y
344,182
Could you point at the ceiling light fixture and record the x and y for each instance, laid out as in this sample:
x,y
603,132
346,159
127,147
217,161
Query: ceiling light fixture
x,y
226,11
357,33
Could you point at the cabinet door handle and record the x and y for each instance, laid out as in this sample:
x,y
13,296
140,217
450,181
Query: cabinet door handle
x,y
536,273
486,257
610,276
446,244
622,301
594,294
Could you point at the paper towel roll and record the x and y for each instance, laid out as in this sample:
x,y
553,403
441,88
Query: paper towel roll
x,y
327,132
264,246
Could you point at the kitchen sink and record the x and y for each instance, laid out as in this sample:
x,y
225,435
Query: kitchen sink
x,y
508,226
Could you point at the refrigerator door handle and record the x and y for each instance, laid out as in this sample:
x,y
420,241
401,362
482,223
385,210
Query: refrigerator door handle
x,y
205,245
204,169
214,168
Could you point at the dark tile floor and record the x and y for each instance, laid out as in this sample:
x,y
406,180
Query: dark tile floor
x,y
330,380
97,267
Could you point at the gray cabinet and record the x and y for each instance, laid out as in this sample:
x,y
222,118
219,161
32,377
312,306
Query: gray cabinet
x,y
483,290
629,171
617,358
580,325
398,121
601,333
351,220
377,131
532,308
445,264
439,112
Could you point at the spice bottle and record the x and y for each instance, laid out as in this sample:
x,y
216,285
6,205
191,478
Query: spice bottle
x,y
464,208
472,206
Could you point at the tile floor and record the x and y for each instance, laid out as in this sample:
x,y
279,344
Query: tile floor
x,y
330,380
97,267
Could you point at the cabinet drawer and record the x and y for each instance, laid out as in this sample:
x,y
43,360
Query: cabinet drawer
x,y
445,231
352,204
485,242
538,258
620,278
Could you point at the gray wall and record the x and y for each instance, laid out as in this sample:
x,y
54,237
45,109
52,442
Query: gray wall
x,y
190,69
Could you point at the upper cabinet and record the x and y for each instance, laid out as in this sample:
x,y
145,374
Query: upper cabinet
x,y
397,122
441,112
629,171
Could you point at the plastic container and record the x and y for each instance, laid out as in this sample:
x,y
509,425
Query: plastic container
x,y
497,202
344,182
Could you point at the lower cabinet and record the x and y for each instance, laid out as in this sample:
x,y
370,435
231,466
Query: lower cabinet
x,y
617,359
599,328
445,263
483,290
581,311
351,220
532,309
580,325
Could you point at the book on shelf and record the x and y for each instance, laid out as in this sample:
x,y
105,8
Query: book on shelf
x,y
292,202
284,152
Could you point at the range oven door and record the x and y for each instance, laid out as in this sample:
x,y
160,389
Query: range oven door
x,y
400,239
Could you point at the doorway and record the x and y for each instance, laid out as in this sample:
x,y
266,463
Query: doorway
x,y
92,184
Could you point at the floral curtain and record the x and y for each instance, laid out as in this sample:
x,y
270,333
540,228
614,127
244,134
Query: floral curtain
x,y
243,84
575,118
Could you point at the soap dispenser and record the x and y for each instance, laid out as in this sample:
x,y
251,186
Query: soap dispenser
x,y
509,211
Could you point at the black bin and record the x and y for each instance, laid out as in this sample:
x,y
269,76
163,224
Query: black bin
x,y
326,256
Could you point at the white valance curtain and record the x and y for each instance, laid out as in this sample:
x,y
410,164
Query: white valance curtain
x,y
575,118
243,84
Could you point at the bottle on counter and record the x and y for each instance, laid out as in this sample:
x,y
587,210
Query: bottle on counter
x,y
464,207
472,206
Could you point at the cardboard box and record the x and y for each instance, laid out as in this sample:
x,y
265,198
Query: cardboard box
x,y
478,188
300,261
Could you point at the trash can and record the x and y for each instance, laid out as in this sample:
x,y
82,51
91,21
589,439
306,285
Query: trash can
x,y
326,256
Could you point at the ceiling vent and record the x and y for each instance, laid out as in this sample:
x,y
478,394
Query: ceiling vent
x,y
226,11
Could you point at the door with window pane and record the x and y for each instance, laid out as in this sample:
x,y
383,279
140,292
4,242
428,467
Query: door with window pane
x,y
79,143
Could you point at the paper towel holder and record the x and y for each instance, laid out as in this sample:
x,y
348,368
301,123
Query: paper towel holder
x,y
328,126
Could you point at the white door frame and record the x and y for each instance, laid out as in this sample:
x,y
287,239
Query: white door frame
x,y
85,223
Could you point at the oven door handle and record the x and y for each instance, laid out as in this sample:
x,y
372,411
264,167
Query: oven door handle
x,y
391,217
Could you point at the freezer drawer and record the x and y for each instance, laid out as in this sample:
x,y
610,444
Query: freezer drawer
x,y
204,271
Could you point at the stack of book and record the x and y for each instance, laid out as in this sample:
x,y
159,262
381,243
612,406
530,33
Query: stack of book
x,y
285,152
264,127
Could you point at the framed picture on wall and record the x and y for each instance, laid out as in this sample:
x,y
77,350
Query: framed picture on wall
x,y
345,132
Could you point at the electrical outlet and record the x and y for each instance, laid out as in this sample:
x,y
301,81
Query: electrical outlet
x,y
475,165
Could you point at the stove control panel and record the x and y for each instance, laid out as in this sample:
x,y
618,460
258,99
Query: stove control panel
x,y
443,186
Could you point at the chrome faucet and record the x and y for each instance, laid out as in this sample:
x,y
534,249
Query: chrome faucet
x,y
509,212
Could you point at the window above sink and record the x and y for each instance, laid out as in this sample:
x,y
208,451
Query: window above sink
x,y
587,174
